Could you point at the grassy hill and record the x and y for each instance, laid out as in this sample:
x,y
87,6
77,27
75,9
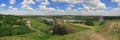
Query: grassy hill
x,y
15,29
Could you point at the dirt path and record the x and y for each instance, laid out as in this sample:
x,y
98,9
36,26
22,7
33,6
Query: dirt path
x,y
34,29
112,25
81,25
96,36
28,23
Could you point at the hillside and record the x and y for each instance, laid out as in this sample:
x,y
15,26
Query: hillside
x,y
17,28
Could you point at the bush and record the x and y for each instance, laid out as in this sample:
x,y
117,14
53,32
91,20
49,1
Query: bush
x,y
11,31
60,31
9,26
102,23
0,24
90,23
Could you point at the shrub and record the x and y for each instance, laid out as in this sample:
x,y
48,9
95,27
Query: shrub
x,y
0,24
90,23
102,23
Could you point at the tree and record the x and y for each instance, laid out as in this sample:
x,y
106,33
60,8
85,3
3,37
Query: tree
x,y
90,23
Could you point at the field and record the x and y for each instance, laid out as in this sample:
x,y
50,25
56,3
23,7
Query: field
x,y
36,28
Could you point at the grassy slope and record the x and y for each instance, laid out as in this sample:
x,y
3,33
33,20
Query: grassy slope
x,y
40,25
82,33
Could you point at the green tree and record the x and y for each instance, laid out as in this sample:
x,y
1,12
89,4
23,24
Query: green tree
x,y
90,23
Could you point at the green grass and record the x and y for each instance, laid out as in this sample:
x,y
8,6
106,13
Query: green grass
x,y
82,33
40,25
44,35
77,27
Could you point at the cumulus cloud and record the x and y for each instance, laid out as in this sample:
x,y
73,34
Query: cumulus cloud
x,y
71,5
45,3
117,1
15,9
12,1
90,7
96,4
68,10
115,10
52,11
39,0
93,4
70,1
10,7
46,9
3,5
26,4
30,8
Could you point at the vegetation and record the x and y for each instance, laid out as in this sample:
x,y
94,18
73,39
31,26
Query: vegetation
x,y
13,25
90,23
14,28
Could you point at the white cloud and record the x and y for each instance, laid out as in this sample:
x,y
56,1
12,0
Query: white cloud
x,y
91,7
50,11
12,1
26,4
45,3
93,4
31,2
62,12
71,5
10,7
117,1
70,1
30,8
46,9
39,0
42,7
96,4
3,5
68,10
115,10
15,9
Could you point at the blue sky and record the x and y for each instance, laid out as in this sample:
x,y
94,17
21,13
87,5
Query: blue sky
x,y
109,3
61,5
70,6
